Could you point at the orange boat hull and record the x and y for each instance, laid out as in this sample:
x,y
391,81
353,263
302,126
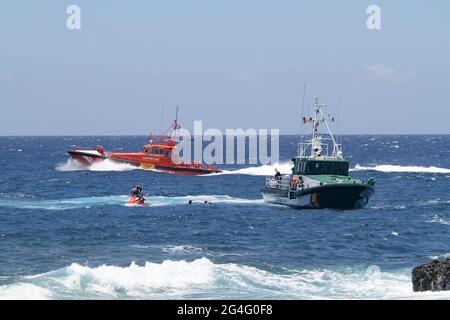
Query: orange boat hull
x,y
144,161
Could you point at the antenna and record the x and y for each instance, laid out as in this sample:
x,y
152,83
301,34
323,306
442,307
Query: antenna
x,y
303,103
175,125
162,116
303,98
337,122
304,87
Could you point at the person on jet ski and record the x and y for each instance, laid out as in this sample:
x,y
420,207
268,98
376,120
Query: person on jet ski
x,y
137,192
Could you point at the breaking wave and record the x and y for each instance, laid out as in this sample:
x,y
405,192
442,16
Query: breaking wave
x,y
105,165
203,279
88,202
396,168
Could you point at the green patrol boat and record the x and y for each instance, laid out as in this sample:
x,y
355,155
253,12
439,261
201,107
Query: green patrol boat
x,y
318,179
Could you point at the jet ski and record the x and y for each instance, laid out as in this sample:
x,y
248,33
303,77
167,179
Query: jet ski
x,y
137,201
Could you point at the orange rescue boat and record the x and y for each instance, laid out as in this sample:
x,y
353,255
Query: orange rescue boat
x,y
157,155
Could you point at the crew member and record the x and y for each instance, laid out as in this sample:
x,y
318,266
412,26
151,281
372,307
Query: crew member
x,y
277,174
100,150
294,182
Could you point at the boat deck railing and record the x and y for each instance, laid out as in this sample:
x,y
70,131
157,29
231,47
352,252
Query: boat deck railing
x,y
305,149
282,182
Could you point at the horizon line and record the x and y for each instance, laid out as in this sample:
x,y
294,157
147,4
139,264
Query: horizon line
x,y
284,134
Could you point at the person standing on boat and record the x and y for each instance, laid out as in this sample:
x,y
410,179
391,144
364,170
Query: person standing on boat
x,y
277,174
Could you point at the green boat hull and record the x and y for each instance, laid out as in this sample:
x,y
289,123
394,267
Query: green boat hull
x,y
332,196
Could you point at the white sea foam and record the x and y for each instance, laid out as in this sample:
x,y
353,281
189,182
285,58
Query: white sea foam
x,y
440,220
181,249
396,168
440,257
88,202
200,199
24,291
285,168
110,165
210,199
105,165
63,204
264,170
203,279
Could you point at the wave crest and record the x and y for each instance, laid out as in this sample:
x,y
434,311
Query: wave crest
x,y
203,279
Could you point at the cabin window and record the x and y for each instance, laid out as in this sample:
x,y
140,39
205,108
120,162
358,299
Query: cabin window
x,y
310,168
168,154
296,167
345,173
339,168
329,168
319,167
322,167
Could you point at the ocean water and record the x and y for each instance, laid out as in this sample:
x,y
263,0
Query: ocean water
x,y
66,233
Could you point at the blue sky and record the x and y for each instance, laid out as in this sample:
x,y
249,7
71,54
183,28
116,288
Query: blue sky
x,y
232,64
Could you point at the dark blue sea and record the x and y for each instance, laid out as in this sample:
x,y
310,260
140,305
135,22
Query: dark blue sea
x,y
66,233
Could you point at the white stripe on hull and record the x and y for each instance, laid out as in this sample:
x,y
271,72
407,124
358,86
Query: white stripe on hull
x,y
304,201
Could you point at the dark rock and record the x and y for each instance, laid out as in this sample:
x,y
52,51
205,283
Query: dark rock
x,y
434,276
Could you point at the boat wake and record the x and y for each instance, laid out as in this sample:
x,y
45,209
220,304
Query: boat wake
x,y
204,279
406,169
88,202
109,165
264,170
105,165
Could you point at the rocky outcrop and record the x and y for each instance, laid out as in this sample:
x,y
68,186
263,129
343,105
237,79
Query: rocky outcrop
x,y
434,276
